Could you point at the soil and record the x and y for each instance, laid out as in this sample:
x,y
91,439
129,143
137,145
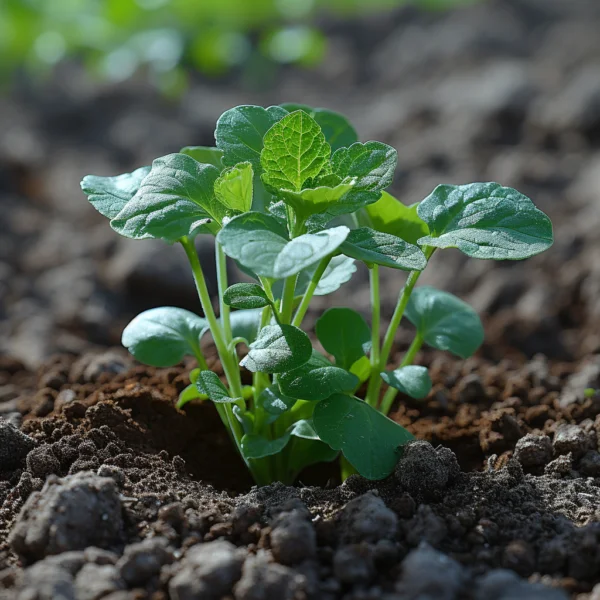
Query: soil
x,y
108,491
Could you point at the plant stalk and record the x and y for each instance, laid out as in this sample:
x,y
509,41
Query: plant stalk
x,y
372,390
221,262
310,290
287,300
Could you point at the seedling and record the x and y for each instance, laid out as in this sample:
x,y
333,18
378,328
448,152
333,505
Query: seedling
x,y
292,196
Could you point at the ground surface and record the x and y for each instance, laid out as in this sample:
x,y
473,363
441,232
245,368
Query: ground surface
x,y
124,496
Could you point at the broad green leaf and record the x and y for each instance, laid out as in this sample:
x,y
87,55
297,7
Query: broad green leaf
x,y
233,188
444,321
374,247
389,215
173,200
294,150
161,337
369,440
412,380
209,383
257,446
485,220
240,132
344,334
246,323
205,155
311,201
337,129
274,402
246,295
278,348
108,195
316,380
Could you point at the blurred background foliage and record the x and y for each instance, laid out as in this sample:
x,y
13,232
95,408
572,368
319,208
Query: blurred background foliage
x,y
167,38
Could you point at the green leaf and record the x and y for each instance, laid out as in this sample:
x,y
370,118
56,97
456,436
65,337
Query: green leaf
x,y
161,337
278,348
344,334
246,295
374,247
316,380
240,131
108,195
245,417
257,446
209,383
389,215
412,380
205,155
191,391
246,323
294,151
274,402
173,200
444,321
485,220
337,129
233,188
369,440
305,453
311,201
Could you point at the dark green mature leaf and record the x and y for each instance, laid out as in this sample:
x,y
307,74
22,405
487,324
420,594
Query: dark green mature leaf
x,y
294,151
161,337
444,321
278,348
389,215
209,383
312,201
257,446
108,195
412,380
240,131
338,131
205,155
372,165
344,334
374,247
485,220
274,402
316,380
233,188
173,200
370,441
246,295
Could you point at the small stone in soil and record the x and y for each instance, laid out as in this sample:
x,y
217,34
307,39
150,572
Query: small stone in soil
x,y
533,450
367,518
14,446
570,438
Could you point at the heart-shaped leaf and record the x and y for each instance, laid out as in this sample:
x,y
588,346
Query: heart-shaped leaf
x,y
108,195
161,337
278,348
316,380
344,334
444,321
246,295
369,440
412,380
485,220
233,188
274,402
294,151
205,155
208,383
374,247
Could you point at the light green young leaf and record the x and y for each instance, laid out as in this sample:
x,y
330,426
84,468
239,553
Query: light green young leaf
x,y
316,380
209,383
485,220
374,247
108,195
191,391
173,200
369,440
444,321
294,150
274,402
344,334
257,446
311,201
233,188
205,155
278,348
412,380
246,295
161,337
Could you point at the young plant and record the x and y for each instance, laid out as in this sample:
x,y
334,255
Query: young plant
x,y
295,199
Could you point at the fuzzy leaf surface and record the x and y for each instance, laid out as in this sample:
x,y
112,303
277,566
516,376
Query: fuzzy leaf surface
x,y
209,383
275,402
246,295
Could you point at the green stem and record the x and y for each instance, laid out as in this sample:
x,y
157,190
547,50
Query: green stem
x,y
310,290
221,262
287,300
373,390
200,358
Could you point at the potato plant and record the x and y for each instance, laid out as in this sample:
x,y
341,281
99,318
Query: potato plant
x,y
293,197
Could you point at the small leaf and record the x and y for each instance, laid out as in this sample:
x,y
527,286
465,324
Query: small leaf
x,y
108,195
246,323
161,337
246,295
278,348
312,201
444,321
233,188
336,128
205,155
305,429
191,391
294,150
371,165
374,247
257,446
344,334
485,220
412,380
209,383
274,402
316,380
369,440
240,131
